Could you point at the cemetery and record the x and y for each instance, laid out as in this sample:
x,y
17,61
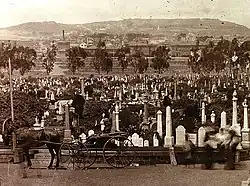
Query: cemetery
x,y
159,114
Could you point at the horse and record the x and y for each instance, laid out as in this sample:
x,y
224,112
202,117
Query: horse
x,y
226,141
28,137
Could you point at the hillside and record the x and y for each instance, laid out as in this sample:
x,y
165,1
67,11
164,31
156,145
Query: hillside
x,y
165,27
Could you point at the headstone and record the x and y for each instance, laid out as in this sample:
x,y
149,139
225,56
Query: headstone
x,y
213,117
245,131
234,115
180,135
130,138
155,141
140,142
146,143
135,139
201,136
193,138
1,138
168,140
159,123
223,119
42,122
91,132
67,131
83,137
203,113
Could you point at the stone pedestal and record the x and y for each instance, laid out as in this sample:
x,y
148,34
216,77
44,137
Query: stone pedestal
x,y
245,133
67,136
168,141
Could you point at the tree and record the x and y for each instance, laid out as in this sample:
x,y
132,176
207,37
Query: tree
x,y
139,62
123,57
107,64
49,58
22,58
76,57
99,56
161,59
102,60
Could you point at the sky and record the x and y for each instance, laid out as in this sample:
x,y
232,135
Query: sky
x,y
15,12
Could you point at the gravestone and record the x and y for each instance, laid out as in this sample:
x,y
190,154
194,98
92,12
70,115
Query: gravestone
x,y
146,143
140,142
223,119
159,123
91,132
180,135
193,138
135,139
201,136
83,137
155,141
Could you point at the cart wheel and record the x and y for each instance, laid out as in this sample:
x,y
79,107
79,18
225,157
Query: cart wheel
x,y
68,155
85,157
119,152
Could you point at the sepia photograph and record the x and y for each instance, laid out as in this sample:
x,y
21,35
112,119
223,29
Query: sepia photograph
x,y
124,93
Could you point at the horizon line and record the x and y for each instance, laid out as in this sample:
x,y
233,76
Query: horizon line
x,y
134,18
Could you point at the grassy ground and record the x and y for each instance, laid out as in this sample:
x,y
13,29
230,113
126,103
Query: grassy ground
x,y
160,175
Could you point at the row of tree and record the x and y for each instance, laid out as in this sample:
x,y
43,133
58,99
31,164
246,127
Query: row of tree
x,y
217,57
102,60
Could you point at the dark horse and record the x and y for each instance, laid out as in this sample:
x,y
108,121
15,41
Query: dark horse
x,y
28,137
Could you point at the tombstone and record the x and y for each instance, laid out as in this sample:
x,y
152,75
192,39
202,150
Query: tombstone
x,y
155,141
140,142
234,115
135,139
117,118
130,140
146,143
180,135
168,140
91,132
213,117
42,122
223,122
193,138
83,137
201,136
60,109
159,123
113,127
203,113
245,131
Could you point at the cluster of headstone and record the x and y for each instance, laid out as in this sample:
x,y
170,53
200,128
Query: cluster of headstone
x,y
141,90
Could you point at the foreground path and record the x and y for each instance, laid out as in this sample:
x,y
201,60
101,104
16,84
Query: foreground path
x,y
160,175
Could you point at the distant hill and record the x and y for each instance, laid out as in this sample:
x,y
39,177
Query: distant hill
x,y
168,27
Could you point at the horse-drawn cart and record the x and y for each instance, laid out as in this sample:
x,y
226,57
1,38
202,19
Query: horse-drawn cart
x,y
115,148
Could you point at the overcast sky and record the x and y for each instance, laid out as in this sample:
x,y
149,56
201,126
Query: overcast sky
x,y
82,11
